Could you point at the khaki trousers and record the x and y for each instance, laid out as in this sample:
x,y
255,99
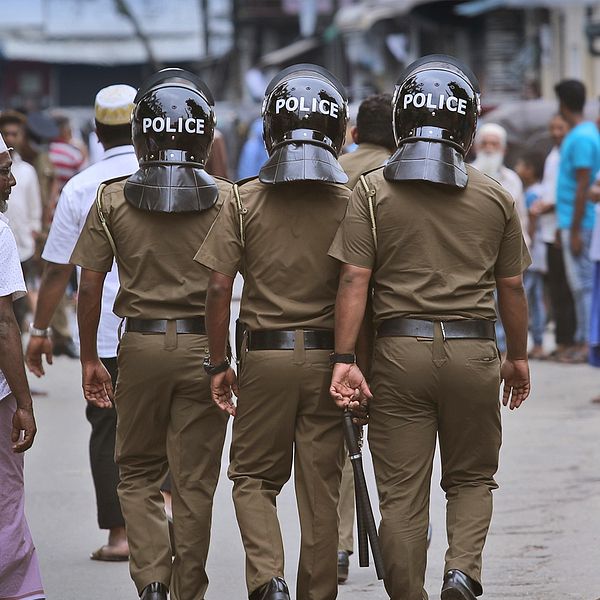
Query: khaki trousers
x,y
167,420
346,508
285,413
422,389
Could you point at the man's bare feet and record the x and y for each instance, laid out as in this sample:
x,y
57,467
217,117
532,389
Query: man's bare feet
x,y
117,548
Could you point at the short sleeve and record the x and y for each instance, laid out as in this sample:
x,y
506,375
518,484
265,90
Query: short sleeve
x,y
583,153
222,250
353,243
513,256
11,276
64,231
93,250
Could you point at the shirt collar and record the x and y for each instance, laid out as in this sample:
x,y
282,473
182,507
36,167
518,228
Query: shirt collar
x,y
127,149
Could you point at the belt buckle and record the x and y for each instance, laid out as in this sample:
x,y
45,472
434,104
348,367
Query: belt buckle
x,y
443,330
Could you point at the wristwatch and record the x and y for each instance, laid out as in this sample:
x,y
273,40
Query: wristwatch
x,y
215,369
347,359
35,332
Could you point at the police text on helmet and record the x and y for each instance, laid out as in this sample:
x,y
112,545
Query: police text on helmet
x,y
451,103
166,124
293,104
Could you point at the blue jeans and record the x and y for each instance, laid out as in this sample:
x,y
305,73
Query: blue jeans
x,y
534,288
580,275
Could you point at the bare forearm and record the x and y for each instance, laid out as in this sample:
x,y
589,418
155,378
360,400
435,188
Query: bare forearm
x,y
218,301
52,289
349,313
11,360
580,198
512,304
88,317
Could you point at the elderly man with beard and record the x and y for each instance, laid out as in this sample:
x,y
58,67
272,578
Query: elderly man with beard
x,y
19,570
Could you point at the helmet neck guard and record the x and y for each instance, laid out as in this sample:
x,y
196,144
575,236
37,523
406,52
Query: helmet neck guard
x,y
423,160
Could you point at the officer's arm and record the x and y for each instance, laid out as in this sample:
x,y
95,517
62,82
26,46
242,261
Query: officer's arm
x,y
88,312
350,306
512,304
218,301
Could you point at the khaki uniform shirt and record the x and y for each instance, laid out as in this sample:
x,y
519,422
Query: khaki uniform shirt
x,y
439,250
365,158
289,280
158,278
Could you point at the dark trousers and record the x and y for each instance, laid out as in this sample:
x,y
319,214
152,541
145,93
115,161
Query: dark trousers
x,y
561,300
102,458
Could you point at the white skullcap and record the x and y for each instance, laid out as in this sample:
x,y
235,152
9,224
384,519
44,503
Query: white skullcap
x,y
114,104
3,146
492,129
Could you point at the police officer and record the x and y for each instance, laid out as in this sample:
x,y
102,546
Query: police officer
x,y
276,230
152,222
437,237
374,136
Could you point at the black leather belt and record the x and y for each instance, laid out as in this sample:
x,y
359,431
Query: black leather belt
x,y
195,325
451,330
314,339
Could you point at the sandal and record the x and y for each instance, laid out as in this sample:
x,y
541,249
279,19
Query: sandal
x,y
104,555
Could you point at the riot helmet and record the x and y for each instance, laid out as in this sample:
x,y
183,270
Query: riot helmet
x,y
305,112
434,116
173,126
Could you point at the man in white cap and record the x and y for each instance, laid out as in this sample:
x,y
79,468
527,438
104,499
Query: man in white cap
x,y
113,108
19,570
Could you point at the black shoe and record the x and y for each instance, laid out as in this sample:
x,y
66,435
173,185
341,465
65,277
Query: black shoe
x,y
276,589
65,347
343,565
154,591
458,586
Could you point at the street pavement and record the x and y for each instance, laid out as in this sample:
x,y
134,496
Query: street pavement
x,y
543,543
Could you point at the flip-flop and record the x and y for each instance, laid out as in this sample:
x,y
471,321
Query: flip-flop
x,y
102,555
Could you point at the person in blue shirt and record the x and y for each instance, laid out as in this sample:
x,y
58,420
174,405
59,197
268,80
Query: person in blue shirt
x,y
253,154
579,165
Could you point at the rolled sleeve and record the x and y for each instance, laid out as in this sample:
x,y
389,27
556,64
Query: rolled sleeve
x,y
93,250
513,256
353,242
222,249
64,232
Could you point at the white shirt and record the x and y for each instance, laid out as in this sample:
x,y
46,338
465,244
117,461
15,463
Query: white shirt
x,y
11,278
595,245
512,183
76,199
548,220
24,207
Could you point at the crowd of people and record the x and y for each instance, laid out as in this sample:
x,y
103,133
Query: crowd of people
x,y
63,206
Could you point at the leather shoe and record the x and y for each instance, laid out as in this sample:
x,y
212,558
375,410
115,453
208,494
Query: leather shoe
x,y
458,586
276,589
154,591
343,565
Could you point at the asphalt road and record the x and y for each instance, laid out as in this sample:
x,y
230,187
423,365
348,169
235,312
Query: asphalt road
x,y
543,543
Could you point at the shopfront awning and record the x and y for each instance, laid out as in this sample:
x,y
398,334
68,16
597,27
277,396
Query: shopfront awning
x,y
362,16
289,52
478,7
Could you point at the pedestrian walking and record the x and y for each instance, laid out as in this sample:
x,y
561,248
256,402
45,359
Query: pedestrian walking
x,y
25,209
559,293
151,223
19,570
435,237
374,137
579,166
112,112
275,230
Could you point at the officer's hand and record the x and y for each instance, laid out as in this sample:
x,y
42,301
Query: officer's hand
x,y
97,384
23,421
515,374
360,410
36,348
222,387
348,384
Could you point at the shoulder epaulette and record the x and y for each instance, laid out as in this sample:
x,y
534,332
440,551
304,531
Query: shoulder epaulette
x,y
223,179
246,180
115,180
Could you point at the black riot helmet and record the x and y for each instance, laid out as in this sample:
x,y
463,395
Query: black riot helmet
x,y
305,113
173,127
434,116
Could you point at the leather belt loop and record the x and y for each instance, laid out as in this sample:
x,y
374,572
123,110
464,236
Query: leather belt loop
x,y
171,336
438,349
299,353
120,330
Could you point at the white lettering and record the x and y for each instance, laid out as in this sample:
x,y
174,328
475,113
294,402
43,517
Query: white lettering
x,y
419,100
189,125
180,125
452,107
429,102
279,105
462,106
200,126
303,107
168,126
408,99
334,110
292,104
302,104
146,124
158,124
